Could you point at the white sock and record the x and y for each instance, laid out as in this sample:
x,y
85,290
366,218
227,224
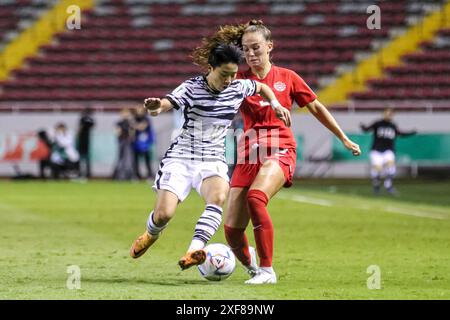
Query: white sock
x,y
196,245
389,173
152,228
268,270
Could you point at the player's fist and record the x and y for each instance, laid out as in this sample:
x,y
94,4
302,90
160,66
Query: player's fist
x,y
353,147
152,104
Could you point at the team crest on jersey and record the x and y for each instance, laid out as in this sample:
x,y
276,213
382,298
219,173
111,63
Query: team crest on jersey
x,y
166,177
279,86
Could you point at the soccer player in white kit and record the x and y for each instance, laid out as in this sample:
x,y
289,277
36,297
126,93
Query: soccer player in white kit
x,y
196,159
382,154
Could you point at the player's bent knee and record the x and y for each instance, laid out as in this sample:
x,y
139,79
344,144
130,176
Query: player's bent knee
x,y
217,198
377,168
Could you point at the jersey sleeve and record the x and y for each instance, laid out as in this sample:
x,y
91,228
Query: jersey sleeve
x,y
397,130
404,133
371,127
300,91
248,87
181,96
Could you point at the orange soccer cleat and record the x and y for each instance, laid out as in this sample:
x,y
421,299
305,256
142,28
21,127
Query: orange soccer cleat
x,y
192,258
141,244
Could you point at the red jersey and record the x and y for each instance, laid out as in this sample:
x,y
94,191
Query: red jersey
x,y
257,113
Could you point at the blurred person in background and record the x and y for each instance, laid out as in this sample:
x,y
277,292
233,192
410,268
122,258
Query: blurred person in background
x,y
144,138
86,124
44,162
64,156
124,169
382,153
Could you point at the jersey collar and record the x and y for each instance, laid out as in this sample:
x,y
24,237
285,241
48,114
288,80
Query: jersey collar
x,y
251,75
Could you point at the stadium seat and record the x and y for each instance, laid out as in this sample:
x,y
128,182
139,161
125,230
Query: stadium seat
x,y
423,75
135,48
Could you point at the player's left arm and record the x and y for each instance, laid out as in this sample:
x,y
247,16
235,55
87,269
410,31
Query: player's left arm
x,y
266,92
405,133
322,114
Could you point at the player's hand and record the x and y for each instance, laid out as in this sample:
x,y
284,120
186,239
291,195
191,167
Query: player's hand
x,y
353,147
152,104
282,113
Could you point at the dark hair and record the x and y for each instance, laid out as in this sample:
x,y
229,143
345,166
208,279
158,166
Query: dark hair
x,y
224,53
61,125
88,111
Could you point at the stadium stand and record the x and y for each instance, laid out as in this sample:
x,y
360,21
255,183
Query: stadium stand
x,y
16,15
127,50
423,76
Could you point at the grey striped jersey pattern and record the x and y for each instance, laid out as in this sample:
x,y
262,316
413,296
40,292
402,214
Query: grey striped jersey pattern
x,y
207,116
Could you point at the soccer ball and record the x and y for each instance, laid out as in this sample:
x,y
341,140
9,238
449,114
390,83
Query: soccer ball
x,y
219,264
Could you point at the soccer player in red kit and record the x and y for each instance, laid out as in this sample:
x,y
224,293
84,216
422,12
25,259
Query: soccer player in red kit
x,y
270,142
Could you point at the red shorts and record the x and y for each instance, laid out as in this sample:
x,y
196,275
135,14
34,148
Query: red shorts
x,y
245,174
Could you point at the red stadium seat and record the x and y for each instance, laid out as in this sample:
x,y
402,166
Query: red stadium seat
x,y
134,49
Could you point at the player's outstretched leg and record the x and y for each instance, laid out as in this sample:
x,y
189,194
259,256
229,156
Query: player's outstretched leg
x,y
252,268
145,241
389,178
213,190
141,244
263,230
375,174
192,258
263,276
206,227
238,242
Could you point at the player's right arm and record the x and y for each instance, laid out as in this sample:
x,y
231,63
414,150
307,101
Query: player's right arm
x,y
281,112
320,112
155,106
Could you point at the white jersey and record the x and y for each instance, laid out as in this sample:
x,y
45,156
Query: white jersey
x,y
207,116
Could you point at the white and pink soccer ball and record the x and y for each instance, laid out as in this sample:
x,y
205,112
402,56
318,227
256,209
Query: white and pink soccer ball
x,y
219,264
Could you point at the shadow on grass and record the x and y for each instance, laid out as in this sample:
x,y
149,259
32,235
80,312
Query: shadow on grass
x,y
167,281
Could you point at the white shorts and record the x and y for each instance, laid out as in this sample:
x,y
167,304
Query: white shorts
x,y
180,175
380,159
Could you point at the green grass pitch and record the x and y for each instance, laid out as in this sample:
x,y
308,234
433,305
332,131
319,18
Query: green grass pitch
x,y
327,234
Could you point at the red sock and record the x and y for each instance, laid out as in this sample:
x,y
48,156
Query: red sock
x,y
262,226
237,240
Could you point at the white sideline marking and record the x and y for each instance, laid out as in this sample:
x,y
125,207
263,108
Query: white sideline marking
x,y
390,209
416,213
319,202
